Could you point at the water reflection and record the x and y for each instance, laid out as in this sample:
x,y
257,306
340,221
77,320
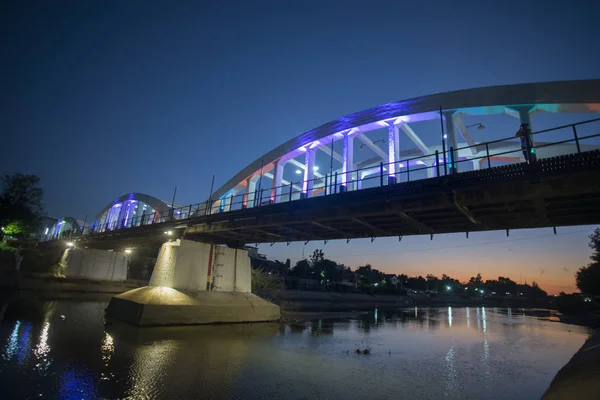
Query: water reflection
x,y
11,346
451,374
77,382
438,351
42,349
23,347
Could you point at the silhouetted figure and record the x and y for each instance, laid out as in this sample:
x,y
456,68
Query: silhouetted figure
x,y
526,143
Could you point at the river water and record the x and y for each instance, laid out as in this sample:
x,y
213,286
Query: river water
x,y
62,349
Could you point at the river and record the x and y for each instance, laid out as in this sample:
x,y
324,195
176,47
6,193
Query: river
x,y
62,349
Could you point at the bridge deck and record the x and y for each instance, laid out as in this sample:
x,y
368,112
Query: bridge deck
x,y
558,191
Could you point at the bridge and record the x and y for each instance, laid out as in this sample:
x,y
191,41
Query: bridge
x,y
306,190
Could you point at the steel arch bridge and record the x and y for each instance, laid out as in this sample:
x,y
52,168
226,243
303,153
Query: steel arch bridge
x,y
522,101
457,162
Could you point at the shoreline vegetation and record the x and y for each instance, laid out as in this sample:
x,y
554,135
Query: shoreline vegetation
x,y
297,305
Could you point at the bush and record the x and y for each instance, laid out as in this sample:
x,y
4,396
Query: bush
x,y
265,285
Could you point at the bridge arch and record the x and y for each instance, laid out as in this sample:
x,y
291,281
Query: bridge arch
x,y
63,226
130,209
247,187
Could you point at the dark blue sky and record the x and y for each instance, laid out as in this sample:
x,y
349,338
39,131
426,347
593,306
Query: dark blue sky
x,y
100,98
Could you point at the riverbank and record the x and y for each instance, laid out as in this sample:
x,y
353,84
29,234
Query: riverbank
x,y
305,301
50,284
580,377
303,316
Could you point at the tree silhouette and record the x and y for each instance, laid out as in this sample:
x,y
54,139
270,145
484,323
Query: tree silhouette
x,y
20,203
588,278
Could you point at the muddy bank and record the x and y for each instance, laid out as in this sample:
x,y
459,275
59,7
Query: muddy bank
x,y
580,377
50,284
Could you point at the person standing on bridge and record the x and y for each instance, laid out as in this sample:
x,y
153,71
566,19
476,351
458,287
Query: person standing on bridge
x,y
526,143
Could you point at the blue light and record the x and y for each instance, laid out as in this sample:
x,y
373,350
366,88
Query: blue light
x,y
77,383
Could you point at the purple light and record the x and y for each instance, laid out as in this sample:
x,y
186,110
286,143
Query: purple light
x,y
392,148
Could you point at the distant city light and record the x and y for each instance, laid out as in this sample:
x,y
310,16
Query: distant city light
x,y
448,288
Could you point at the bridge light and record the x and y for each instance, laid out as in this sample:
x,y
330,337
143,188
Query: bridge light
x,y
298,171
445,136
448,288
315,168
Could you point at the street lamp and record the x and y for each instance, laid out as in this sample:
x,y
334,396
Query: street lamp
x,y
479,125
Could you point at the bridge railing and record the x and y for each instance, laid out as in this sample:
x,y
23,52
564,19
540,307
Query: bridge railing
x,y
574,137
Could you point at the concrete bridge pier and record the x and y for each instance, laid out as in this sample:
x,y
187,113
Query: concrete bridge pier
x,y
94,264
194,283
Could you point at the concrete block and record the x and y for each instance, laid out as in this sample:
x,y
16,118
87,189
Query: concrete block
x,y
95,264
151,306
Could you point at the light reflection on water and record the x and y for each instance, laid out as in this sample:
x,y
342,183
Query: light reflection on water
x,y
63,350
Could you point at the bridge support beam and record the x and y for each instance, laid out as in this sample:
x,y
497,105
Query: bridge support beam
x,y
309,173
194,283
393,152
250,192
347,163
277,182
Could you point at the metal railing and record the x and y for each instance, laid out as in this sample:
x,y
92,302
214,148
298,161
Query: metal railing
x,y
433,165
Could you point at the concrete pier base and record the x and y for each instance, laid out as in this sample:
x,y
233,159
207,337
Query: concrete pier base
x,y
152,306
194,283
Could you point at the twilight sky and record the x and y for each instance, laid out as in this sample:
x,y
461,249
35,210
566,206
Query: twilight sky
x,y
100,98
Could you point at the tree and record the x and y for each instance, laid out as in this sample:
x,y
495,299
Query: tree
x,y
20,203
317,256
588,278
266,285
302,269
